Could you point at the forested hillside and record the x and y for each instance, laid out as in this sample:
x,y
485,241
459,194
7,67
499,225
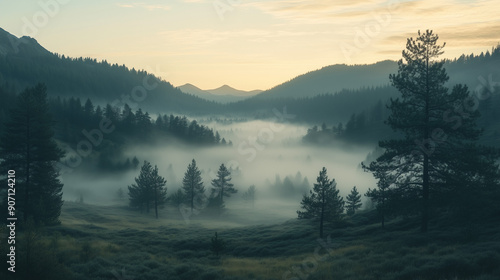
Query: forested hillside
x,y
23,62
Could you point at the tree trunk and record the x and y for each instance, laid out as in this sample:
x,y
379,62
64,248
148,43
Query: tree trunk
x,y
425,175
156,203
321,225
425,195
192,199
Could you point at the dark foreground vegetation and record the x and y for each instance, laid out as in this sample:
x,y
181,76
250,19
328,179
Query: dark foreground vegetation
x,y
114,242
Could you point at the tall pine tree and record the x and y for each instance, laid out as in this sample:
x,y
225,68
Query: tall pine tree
x,y
221,187
27,147
323,202
436,160
192,185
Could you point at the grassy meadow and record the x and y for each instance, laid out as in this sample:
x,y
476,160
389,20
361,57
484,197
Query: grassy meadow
x,y
114,242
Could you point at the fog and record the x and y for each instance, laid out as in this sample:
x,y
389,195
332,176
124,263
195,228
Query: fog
x,y
263,152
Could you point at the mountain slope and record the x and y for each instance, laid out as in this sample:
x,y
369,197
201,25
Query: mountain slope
x,y
473,70
10,44
23,62
332,79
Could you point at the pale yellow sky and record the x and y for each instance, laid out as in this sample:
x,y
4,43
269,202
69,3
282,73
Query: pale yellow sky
x,y
245,43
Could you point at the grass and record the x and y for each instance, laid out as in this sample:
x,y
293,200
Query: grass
x,y
97,242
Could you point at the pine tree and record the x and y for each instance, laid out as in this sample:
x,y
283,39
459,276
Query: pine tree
x,y
27,147
436,159
158,188
353,202
149,188
380,197
249,195
323,202
222,186
139,192
193,185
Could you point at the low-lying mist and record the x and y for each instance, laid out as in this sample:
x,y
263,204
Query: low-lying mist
x,y
266,154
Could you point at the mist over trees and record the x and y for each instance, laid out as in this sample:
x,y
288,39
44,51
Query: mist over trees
x,y
367,125
28,148
249,195
76,122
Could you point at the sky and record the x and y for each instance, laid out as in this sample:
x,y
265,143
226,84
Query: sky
x,y
248,44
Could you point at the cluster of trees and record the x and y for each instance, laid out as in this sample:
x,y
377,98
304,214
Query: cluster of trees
x,y
434,161
149,190
324,203
364,127
72,118
290,187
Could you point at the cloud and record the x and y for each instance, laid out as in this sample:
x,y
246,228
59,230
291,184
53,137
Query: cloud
x,y
313,11
125,5
149,7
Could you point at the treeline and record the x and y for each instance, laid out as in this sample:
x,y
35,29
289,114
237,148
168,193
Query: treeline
x,y
290,186
369,125
327,107
72,117
76,122
364,127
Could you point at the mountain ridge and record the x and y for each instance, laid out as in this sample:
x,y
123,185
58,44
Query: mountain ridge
x,y
10,44
222,94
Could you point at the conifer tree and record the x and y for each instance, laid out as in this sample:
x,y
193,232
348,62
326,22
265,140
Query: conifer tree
x,y
221,187
192,185
27,147
323,202
353,202
436,160
249,195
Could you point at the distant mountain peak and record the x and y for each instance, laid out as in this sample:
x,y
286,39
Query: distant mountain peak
x,y
28,46
223,94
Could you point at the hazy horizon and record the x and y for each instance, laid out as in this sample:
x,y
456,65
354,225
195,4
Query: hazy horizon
x,y
247,44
